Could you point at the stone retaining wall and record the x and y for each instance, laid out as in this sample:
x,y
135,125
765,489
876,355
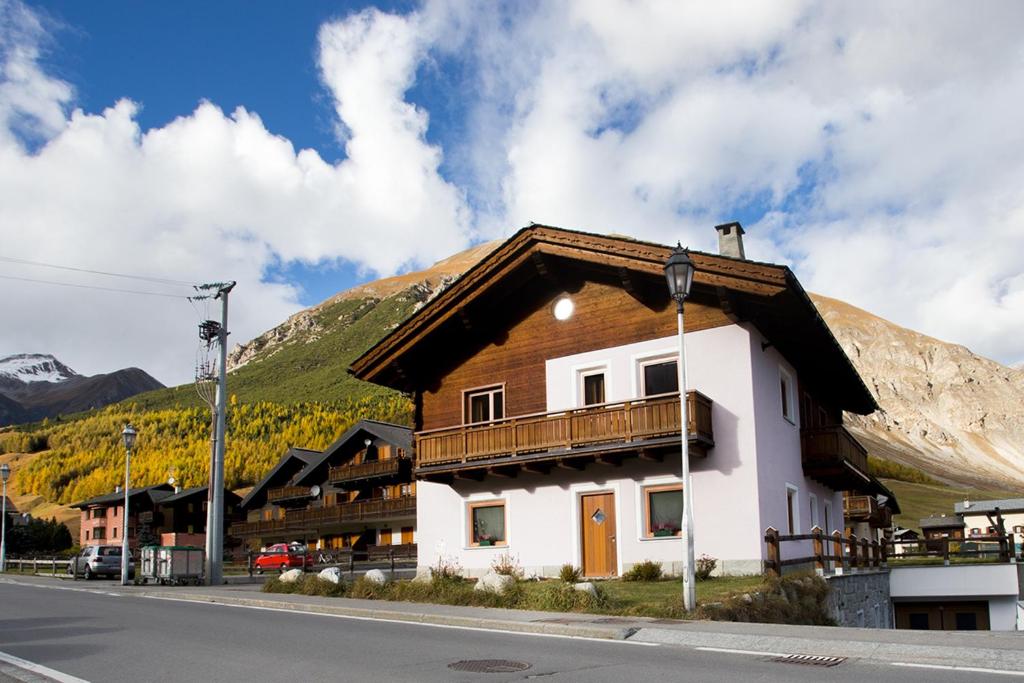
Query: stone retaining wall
x,y
861,599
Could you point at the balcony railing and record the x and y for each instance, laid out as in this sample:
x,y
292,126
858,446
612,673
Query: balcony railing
x,y
287,493
257,528
833,456
366,470
859,508
623,422
364,511
97,522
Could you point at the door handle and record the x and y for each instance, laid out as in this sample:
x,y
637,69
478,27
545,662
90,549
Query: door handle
x,y
613,539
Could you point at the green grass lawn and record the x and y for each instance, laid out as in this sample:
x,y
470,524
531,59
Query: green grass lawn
x,y
924,500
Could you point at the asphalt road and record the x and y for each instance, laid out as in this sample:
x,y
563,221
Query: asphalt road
x,y
84,632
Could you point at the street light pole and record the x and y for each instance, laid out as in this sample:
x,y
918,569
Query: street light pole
x,y
128,434
679,273
5,472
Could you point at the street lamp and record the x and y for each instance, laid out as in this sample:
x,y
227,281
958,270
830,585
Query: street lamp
x,y
128,434
679,273
5,473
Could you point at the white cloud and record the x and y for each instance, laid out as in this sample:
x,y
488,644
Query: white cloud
x,y
208,196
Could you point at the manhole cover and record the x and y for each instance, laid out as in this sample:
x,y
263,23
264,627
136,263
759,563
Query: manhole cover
x,y
489,666
811,660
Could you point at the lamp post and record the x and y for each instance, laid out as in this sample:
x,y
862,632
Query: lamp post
x,y
128,434
5,473
679,273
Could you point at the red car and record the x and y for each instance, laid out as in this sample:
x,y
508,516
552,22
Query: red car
x,y
282,556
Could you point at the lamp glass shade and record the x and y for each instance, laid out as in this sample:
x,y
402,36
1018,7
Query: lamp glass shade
x,y
5,471
128,434
679,274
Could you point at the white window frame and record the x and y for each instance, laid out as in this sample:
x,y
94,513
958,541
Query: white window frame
x,y
639,361
827,521
795,490
790,398
578,372
812,500
489,389
581,387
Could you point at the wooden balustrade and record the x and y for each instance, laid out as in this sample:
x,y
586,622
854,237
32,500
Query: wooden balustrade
x,y
622,422
368,510
259,527
859,508
366,470
834,457
287,493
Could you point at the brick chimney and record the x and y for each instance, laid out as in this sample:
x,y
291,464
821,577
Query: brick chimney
x,y
730,240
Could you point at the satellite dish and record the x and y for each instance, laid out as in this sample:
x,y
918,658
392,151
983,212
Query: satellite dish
x,y
314,490
170,480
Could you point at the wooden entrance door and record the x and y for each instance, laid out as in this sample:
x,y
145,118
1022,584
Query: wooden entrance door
x,y
597,521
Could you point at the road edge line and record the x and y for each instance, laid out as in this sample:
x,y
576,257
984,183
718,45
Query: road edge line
x,y
40,669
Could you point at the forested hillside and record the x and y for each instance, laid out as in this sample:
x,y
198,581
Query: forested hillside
x,y
86,458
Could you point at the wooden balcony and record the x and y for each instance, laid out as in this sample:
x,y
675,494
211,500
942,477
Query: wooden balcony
x,y
380,469
363,511
859,508
624,426
833,457
258,528
287,493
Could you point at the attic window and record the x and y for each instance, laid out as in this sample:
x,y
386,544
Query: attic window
x,y
564,308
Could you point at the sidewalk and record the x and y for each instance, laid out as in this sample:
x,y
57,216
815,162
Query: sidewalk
x,y
983,649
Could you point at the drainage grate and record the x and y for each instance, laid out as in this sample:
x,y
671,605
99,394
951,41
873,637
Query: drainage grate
x,y
810,660
489,666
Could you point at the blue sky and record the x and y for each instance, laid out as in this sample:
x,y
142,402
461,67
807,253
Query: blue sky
x,y
300,148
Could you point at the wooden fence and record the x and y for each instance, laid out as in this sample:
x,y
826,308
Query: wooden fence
x,y
832,551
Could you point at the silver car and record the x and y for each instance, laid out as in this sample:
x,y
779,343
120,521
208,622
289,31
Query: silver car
x,y
100,560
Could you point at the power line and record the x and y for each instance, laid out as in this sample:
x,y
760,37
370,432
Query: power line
x,y
160,280
105,289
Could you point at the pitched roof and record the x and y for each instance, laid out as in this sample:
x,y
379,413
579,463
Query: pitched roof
x,y
981,507
386,431
749,290
303,455
11,508
156,493
941,522
187,493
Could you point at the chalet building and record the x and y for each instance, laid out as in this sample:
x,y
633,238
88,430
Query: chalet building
x,y
980,518
358,494
547,415
170,516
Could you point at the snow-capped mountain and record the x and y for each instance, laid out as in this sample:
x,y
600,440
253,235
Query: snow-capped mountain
x,y
34,367
35,385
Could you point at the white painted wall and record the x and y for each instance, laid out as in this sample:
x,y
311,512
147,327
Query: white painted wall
x,y
1013,522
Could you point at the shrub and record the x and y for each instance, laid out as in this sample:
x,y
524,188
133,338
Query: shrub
x,y
447,568
643,571
705,565
793,599
570,574
558,596
369,590
308,584
507,564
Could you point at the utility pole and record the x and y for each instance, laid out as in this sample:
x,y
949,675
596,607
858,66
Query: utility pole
x,y
215,493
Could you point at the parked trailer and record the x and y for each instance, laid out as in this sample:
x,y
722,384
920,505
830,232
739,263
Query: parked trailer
x,y
174,564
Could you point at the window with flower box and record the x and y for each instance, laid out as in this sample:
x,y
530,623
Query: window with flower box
x,y
487,524
663,510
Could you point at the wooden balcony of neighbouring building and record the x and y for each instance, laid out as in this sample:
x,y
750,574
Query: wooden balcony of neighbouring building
x,y
377,509
606,433
833,457
258,528
866,509
284,494
380,469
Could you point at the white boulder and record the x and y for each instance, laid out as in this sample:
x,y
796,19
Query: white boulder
x,y
423,575
291,576
376,576
586,587
495,583
332,574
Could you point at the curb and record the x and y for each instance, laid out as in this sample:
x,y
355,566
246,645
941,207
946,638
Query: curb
x,y
568,630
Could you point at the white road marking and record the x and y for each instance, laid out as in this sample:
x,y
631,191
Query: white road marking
x,y
408,623
40,669
95,591
731,651
972,669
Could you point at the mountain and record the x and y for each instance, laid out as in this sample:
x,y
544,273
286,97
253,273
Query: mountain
x,y
34,386
945,410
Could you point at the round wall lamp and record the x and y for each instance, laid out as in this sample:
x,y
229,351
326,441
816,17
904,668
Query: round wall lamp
x,y
564,308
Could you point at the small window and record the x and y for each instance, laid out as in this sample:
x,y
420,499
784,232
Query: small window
x,y
87,534
792,520
663,510
828,517
813,502
191,507
484,405
406,490
487,524
1018,529
593,389
660,377
113,532
966,621
786,390
385,537
919,621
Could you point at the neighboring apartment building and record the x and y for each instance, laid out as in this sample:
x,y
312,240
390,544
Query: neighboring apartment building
x,y
979,518
547,408
161,510
357,494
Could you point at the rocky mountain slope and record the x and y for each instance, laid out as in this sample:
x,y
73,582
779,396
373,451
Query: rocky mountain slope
x,y
34,386
945,410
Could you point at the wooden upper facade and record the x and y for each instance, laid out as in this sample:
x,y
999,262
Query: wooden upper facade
x,y
493,330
